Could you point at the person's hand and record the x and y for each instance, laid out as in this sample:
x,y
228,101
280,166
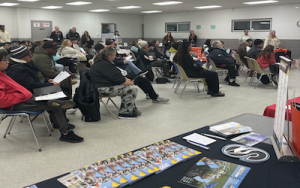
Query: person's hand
x,y
50,80
60,57
55,83
125,62
127,54
146,57
124,57
128,82
158,58
73,75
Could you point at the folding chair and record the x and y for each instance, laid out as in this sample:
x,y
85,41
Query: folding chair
x,y
109,99
238,59
251,68
184,77
214,67
133,56
177,77
259,71
15,114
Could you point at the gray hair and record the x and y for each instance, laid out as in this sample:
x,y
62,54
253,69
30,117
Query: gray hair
x,y
215,44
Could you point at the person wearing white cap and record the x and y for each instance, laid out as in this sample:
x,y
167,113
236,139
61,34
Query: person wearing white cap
x,y
4,36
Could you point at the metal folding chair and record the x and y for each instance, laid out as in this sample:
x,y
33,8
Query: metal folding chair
x,y
238,59
109,99
215,68
259,71
15,114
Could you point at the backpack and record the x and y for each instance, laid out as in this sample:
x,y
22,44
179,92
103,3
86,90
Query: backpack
x,y
87,98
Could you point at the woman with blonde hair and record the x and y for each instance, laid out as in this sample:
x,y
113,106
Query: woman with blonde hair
x,y
272,40
68,55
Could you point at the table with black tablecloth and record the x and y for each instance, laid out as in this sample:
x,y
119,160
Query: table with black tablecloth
x,y
270,174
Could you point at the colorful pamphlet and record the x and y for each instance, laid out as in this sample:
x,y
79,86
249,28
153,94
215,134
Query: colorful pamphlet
x,y
31,186
212,173
250,139
229,129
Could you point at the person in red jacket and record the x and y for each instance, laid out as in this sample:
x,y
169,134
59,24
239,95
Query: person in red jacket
x,y
266,61
15,97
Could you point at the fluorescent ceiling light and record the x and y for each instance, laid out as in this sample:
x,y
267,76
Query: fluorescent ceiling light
x,y
129,7
151,11
100,10
52,7
29,0
207,7
79,3
168,3
258,2
9,4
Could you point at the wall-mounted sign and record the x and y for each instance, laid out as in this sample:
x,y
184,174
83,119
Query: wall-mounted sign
x,y
46,24
198,27
36,24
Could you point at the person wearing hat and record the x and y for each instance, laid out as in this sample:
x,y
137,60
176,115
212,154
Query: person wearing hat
x,y
15,97
149,61
43,59
4,36
254,51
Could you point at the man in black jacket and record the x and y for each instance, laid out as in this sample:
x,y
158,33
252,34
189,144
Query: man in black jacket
x,y
73,33
224,61
254,51
155,50
57,35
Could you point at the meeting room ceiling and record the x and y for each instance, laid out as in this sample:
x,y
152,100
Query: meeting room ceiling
x,y
146,5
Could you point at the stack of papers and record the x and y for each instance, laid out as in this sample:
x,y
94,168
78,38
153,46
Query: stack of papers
x,y
61,76
200,139
229,129
51,96
250,139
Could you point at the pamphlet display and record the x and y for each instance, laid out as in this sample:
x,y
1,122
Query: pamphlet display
x,y
250,139
212,173
229,129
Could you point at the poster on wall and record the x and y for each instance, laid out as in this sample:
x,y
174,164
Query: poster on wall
x,y
198,27
46,24
36,24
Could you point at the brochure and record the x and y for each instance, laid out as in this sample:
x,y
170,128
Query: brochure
x,y
229,129
31,186
212,173
250,139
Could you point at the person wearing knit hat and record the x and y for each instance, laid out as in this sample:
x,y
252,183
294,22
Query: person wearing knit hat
x,y
256,48
142,43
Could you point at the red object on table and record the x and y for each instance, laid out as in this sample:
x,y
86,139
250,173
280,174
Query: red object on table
x,y
281,50
200,55
270,110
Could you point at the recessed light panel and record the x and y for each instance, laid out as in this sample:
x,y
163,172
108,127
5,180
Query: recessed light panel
x,y
168,3
77,3
9,4
29,0
129,7
151,11
52,7
207,7
99,10
258,2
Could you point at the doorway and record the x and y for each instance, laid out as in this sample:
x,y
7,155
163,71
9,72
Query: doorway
x,y
40,30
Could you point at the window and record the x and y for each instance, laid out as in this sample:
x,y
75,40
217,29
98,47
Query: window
x,y
252,24
178,27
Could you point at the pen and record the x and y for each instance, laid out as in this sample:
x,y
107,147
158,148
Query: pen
x,y
198,144
213,136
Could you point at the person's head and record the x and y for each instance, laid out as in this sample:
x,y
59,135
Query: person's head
x,y
272,34
267,52
24,42
208,42
74,40
243,45
150,45
259,43
74,29
223,43
192,33
155,42
2,27
107,53
109,43
183,51
56,28
39,43
144,45
169,34
86,33
6,45
134,43
250,42
117,33
51,47
217,44
3,61
246,31
20,53
140,40
98,47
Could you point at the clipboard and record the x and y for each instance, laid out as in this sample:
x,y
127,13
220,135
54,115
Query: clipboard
x,y
46,90
142,74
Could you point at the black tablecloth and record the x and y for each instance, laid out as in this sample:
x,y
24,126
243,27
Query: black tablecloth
x,y
270,174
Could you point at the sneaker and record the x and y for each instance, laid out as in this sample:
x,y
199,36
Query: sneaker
x,y
226,79
71,111
74,82
71,126
147,96
160,100
65,104
218,94
209,93
71,137
233,84
137,112
127,116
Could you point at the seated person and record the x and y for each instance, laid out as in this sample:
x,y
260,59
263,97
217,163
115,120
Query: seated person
x,y
250,42
193,70
141,82
206,46
122,62
267,63
69,54
158,55
228,51
43,59
174,49
153,63
243,52
108,79
135,49
83,57
6,46
254,51
224,61
15,97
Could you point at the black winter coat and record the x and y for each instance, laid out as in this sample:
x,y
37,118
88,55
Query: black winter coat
x,y
26,74
220,57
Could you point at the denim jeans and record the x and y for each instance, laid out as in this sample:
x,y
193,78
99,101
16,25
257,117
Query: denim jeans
x,y
131,68
59,67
